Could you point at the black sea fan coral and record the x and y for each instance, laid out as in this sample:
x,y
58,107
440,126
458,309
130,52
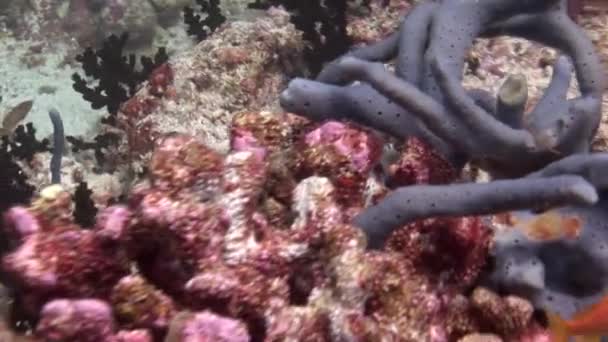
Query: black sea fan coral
x,y
202,28
323,24
23,144
118,75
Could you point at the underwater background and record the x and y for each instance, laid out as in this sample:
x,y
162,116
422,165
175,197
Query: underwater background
x,y
303,170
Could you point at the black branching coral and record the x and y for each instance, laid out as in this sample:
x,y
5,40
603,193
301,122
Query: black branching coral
x,y
23,144
14,188
111,76
100,144
424,97
323,24
205,19
85,210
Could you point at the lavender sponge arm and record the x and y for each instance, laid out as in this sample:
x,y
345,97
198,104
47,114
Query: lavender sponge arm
x,y
381,51
413,41
361,104
411,203
592,167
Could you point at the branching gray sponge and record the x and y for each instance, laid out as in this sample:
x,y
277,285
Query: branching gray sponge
x,y
434,106
438,99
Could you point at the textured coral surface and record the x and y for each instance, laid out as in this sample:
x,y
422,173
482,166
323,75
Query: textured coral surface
x,y
239,68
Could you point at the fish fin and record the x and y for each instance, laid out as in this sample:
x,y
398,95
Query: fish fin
x,y
588,338
603,302
557,328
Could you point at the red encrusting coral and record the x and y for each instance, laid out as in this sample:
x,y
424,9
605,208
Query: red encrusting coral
x,y
139,132
453,249
420,164
345,154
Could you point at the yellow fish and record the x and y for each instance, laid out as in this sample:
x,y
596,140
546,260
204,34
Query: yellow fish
x,y
586,326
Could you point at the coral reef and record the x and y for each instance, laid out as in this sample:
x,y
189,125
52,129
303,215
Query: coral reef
x,y
212,261
257,226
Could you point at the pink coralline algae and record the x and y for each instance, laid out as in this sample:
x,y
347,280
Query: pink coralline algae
x,y
344,154
83,320
207,327
55,257
73,320
256,245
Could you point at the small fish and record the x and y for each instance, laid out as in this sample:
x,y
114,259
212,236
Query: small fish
x,y
550,225
586,326
15,116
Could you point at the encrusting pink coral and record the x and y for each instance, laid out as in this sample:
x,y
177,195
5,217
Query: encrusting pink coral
x,y
206,326
83,320
55,257
86,320
196,252
343,153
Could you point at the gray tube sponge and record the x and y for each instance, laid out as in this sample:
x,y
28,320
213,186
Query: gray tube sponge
x,y
511,101
58,146
359,103
592,167
413,40
574,271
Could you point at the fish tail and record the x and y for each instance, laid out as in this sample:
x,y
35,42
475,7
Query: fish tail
x,y
557,328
